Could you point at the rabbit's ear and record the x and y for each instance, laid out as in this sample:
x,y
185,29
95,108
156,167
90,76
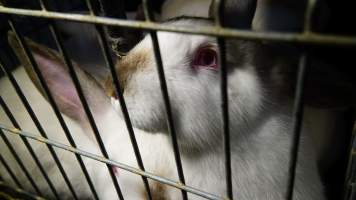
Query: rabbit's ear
x,y
237,13
56,75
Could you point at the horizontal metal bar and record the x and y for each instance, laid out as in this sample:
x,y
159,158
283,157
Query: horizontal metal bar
x,y
134,170
165,95
68,63
218,20
225,116
110,63
20,162
307,37
37,123
52,102
34,156
168,108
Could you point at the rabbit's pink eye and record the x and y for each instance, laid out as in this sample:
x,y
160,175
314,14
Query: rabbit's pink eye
x,y
205,58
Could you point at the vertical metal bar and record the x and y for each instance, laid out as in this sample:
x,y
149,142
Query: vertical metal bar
x,y
85,105
350,175
298,104
19,162
297,126
308,16
110,63
29,147
219,18
12,175
225,115
54,106
38,126
165,94
353,192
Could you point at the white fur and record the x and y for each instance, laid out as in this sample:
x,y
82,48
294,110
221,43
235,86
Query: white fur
x,y
260,131
114,134
260,136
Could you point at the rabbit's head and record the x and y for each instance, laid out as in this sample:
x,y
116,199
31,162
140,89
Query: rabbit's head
x,y
192,72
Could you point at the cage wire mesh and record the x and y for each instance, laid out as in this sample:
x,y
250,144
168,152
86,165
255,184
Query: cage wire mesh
x,y
116,19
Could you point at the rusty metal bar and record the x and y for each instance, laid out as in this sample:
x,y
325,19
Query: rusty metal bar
x,y
178,185
165,95
307,38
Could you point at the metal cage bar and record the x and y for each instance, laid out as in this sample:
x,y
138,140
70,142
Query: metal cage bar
x,y
21,192
29,147
218,18
84,103
19,162
110,64
11,173
305,38
350,181
165,94
53,104
179,185
297,126
85,106
298,107
38,125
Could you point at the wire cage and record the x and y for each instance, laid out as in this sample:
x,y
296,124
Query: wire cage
x,y
44,10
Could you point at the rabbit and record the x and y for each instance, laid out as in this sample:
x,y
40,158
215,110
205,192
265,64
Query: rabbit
x,y
111,127
260,77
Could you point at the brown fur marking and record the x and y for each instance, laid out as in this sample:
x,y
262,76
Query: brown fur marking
x,y
158,191
126,67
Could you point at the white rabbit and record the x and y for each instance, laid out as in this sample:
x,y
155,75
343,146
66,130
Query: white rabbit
x,y
111,127
259,109
259,113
